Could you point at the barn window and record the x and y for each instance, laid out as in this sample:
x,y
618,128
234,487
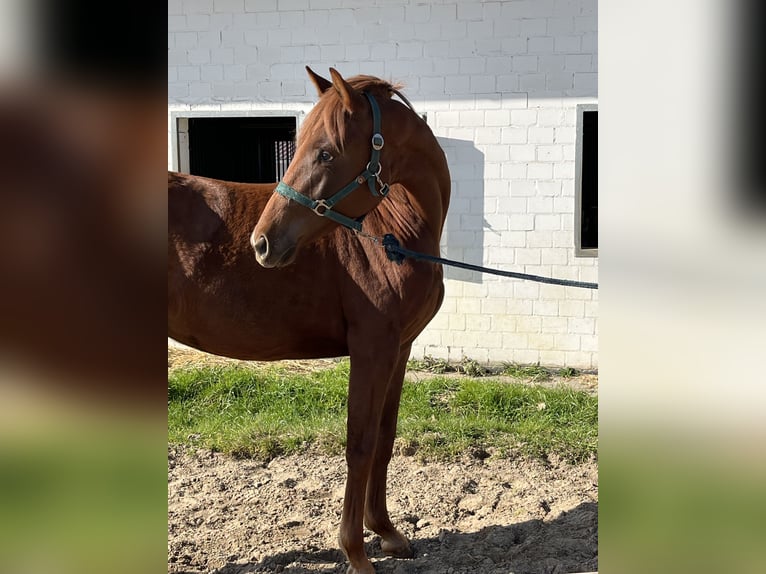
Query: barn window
x,y
586,181
248,149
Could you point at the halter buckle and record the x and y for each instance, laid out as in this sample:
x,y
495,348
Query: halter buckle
x,y
320,207
377,142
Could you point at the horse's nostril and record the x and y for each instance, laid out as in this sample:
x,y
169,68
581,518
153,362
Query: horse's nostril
x,y
261,245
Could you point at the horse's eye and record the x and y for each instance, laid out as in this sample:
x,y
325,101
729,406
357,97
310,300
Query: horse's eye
x,y
325,156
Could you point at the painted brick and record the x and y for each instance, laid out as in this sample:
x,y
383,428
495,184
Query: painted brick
x,y
486,136
581,326
524,63
578,62
197,6
552,152
513,135
492,48
265,21
541,135
560,26
564,342
578,359
198,56
222,56
568,44
589,43
231,6
292,5
513,170
541,44
523,117
539,170
550,117
178,90
522,152
532,82
533,26
551,222
236,73
564,170
324,4
481,84
470,11
554,256
410,50
550,358
382,51
514,46
212,73
334,54
176,23
545,308
586,82
257,71
260,5
488,101
521,222
587,24
199,90
559,81
497,117
522,187
443,13
473,65
232,38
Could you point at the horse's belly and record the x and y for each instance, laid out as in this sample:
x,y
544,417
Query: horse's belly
x,y
246,336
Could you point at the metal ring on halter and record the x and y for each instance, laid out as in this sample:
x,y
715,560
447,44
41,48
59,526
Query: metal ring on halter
x,y
375,139
377,173
320,204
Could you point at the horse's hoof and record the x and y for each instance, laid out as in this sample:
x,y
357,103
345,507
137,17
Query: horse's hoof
x,y
366,569
398,548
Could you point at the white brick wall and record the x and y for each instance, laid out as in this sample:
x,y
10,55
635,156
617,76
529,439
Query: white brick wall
x,y
499,80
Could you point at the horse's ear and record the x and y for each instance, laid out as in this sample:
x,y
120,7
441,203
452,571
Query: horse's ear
x,y
322,85
350,97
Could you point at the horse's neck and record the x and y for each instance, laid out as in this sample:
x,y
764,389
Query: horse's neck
x,y
418,164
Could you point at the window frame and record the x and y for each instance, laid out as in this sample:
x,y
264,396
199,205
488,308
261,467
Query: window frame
x,y
179,129
579,250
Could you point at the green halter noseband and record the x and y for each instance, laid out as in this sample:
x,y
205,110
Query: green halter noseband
x,y
371,175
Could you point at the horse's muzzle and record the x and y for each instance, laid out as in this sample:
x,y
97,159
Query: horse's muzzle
x,y
266,255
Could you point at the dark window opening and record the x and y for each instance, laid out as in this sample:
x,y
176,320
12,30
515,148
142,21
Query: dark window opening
x,y
589,182
245,149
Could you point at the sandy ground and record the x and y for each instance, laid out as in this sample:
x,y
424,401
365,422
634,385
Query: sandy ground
x,y
493,516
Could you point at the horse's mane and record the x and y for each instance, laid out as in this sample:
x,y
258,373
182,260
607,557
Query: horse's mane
x,y
330,114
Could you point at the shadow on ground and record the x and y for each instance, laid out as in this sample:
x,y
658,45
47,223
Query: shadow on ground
x,y
568,543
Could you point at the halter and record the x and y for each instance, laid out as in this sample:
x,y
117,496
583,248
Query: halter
x,y
371,174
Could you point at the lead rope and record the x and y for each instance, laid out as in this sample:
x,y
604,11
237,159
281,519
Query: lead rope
x,y
396,253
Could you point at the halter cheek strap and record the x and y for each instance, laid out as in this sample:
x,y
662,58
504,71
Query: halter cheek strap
x,y
371,175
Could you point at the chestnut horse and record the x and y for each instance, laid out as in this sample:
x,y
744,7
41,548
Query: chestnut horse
x,y
321,289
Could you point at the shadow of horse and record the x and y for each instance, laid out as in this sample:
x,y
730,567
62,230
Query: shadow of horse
x,y
568,543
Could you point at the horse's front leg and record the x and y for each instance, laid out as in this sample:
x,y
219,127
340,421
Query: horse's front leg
x,y
376,517
371,368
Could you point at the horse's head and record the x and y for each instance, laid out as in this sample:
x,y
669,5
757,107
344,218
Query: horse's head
x,y
333,178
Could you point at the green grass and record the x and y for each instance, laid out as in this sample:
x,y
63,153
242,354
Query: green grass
x,y
265,413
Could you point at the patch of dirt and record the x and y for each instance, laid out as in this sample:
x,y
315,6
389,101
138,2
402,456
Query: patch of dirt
x,y
228,516
489,516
